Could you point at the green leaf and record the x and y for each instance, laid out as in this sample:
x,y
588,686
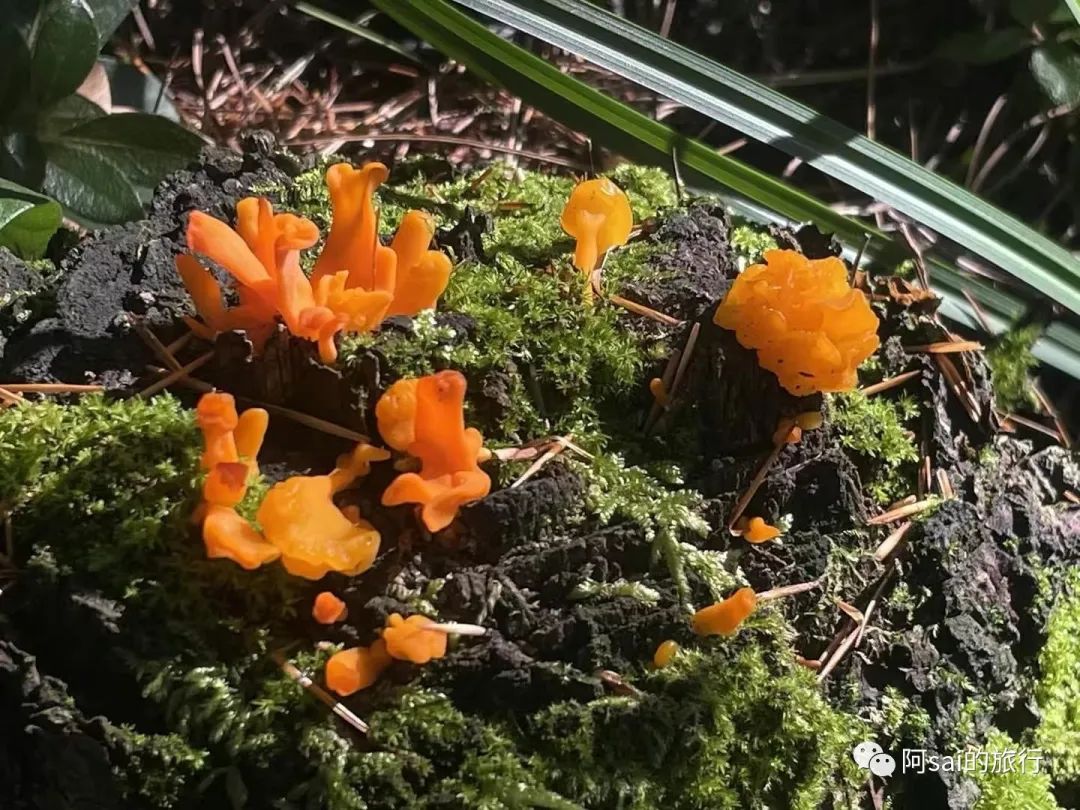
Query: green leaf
x,y
1074,7
640,138
68,112
1028,12
14,67
108,14
985,47
145,147
27,220
1056,67
22,159
353,28
63,50
91,187
731,98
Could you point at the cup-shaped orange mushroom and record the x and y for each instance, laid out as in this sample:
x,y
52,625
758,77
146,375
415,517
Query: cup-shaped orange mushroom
x,y
807,324
598,216
422,274
724,618
410,640
299,517
425,418
328,609
758,531
356,668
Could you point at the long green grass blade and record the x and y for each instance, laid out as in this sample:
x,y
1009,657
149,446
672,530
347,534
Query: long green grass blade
x,y
644,140
1074,7
752,108
353,28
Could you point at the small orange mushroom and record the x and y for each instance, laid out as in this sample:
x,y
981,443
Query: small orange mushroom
x,y
807,324
665,653
758,531
422,274
328,609
356,668
425,418
298,516
787,432
226,534
598,216
409,640
724,618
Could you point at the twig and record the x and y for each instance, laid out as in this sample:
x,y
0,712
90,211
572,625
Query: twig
x,y
755,484
1031,424
456,628
156,346
313,422
891,382
560,445
871,73
892,542
788,590
856,634
11,398
984,134
945,347
176,375
449,140
52,388
902,512
641,309
1048,406
321,694
180,342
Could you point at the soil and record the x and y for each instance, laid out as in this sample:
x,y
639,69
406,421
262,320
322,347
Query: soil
x,y
511,560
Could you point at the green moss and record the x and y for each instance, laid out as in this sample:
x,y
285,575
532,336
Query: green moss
x,y
749,242
1011,361
1015,788
666,514
733,726
1058,689
876,429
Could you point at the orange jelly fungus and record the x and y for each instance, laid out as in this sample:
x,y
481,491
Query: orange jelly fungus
x,y
356,281
665,653
328,609
807,324
422,274
409,640
356,668
298,516
724,617
425,418
231,442
300,522
598,216
758,531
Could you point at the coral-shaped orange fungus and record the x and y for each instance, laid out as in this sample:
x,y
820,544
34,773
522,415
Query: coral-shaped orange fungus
x,y
724,617
409,640
808,326
598,216
230,444
664,654
758,531
355,281
356,668
298,516
425,418
300,522
422,274
328,609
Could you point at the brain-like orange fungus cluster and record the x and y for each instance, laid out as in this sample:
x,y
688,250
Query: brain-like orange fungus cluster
x,y
807,324
357,281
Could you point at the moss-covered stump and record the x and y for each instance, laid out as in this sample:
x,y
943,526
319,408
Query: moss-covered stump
x,y
136,673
